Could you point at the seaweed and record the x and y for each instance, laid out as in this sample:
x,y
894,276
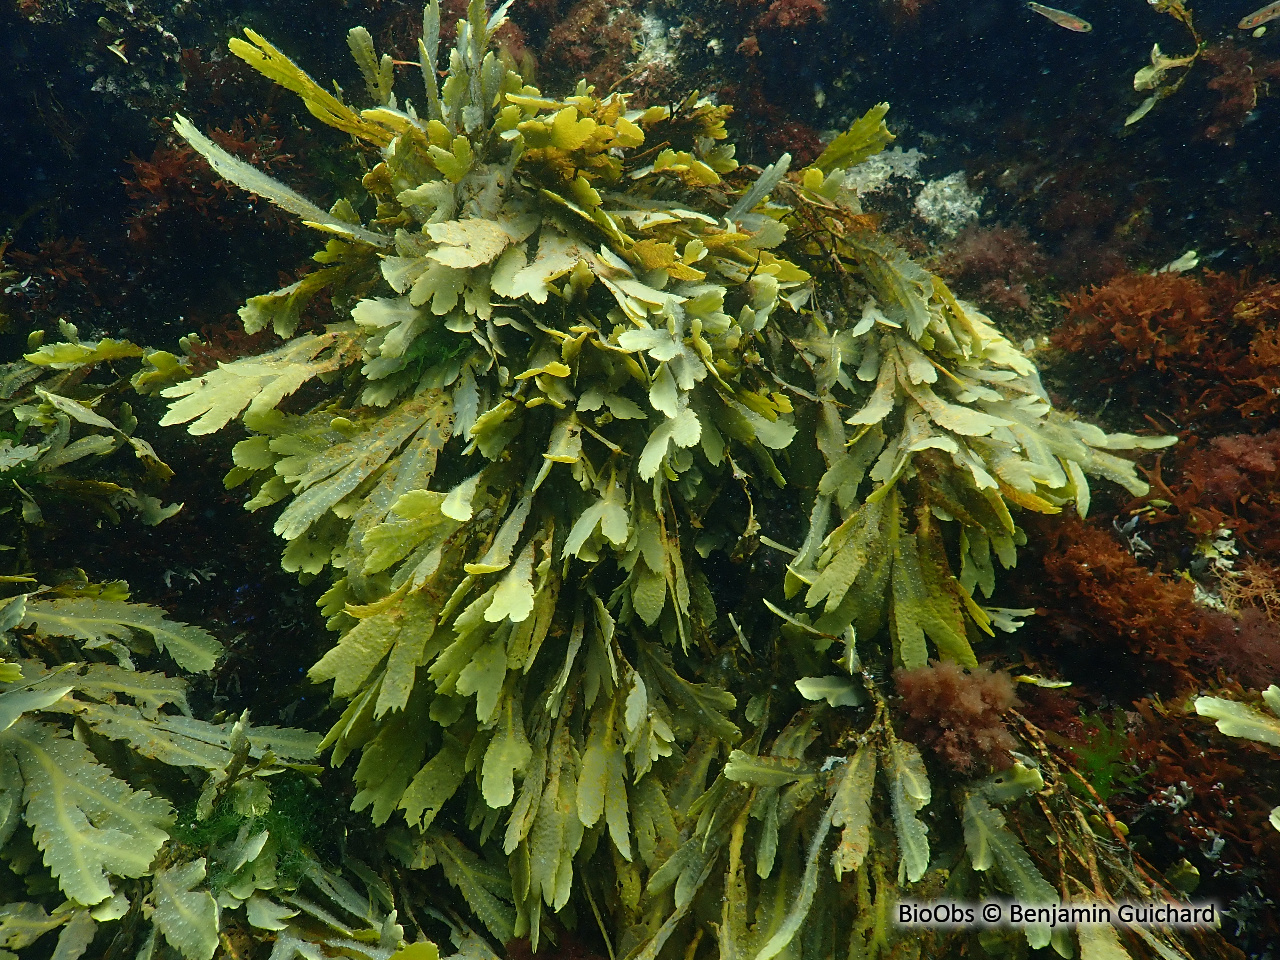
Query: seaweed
x,y
580,356
1197,350
958,714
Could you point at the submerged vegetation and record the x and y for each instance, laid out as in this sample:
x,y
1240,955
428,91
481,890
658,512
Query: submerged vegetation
x,y
662,506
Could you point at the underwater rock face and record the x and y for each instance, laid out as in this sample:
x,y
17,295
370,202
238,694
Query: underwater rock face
x,y
651,510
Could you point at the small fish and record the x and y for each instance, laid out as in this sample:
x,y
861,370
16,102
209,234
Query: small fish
x,y
1070,21
1259,17
1038,681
